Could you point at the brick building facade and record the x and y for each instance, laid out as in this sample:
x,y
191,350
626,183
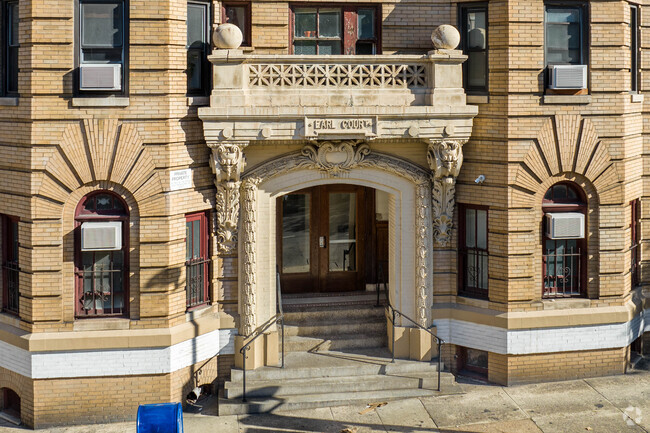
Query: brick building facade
x,y
112,120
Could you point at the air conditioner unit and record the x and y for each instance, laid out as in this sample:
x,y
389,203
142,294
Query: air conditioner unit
x,y
565,225
101,236
568,76
100,77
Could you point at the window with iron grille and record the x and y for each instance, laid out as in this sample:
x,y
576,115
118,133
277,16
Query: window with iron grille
x,y
197,260
564,260
10,269
473,251
9,37
635,249
102,269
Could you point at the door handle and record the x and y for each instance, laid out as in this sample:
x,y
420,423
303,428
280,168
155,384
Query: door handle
x,y
321,241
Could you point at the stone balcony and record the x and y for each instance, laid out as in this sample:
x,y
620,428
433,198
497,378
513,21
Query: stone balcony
x,y
291,97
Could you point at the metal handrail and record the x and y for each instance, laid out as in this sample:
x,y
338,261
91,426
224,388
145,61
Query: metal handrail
x,y
278,318
395,312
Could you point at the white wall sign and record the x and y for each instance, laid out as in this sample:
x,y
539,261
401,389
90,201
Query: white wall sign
x,y
180,179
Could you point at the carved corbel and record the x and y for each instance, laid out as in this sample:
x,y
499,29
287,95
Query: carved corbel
x,y
445,159
336,157
227,162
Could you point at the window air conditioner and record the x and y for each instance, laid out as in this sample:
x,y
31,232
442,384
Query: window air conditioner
x,y
568,76
101,236
100,77
565,225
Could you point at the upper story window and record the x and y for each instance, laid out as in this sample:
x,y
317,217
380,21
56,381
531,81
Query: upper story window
x,y
635,241
239,14
198,48
634,48
565,35
474,37
10,23
564,245
473,251
102,44
328,30
101,255
197,260
9,262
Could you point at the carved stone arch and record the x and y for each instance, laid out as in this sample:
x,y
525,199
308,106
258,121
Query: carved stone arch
x,y
300,170
566,144
98,150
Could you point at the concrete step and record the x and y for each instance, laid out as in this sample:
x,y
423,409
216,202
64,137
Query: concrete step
x,y
313,315
296,343
308,401
336,328
345,384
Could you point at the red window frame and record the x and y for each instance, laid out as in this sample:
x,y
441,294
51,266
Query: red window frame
x,y
9,264
478,253
247,30
349,24
82,215
558,205
635,241
197,267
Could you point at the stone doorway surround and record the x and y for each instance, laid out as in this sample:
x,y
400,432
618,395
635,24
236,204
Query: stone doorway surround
x,y
334,106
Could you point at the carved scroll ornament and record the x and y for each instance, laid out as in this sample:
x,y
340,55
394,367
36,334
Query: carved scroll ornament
x,y
227,163
336,157
445,159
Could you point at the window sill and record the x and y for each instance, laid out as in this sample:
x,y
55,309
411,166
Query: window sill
x,y
566,99
478,99
101,324
8,102
102,101
198,101
636,98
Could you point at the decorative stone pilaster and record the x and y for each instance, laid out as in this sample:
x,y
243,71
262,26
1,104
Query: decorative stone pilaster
x,y
445,158
227,163
248,259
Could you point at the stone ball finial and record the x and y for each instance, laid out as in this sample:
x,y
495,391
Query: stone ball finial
x,y
227,37
445,37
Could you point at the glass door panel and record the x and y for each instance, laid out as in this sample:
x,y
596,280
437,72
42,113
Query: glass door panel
x,y
342,231
296,211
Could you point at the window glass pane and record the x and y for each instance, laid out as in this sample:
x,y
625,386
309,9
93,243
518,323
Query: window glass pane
x,y
366,24
476,73
562,15
563,35
196,236
329,21
295,233
12,15
483,272
101,24
571,193
477,358
118,259
237,15
305,24
470,228
326,48
476,30
471,273
342,231
305,47
196,19
188,240
481,229
559,192
194,69
87,260
104,202
12,70
364,48
103,55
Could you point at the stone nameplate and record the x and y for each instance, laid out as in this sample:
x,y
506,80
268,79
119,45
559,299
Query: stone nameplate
x,y
341,126
180,179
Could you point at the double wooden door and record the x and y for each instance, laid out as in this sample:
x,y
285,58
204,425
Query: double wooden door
x,y
321,239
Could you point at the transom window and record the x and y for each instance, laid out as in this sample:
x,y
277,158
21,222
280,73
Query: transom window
x,y
564,254
101,255
330,30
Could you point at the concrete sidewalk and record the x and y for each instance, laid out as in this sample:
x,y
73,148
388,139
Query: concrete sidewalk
x,y
607,405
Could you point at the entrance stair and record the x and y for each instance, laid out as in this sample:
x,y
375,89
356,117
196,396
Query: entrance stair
x,y
335,355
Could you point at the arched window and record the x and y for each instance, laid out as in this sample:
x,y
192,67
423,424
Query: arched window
x,y
564,241
101,255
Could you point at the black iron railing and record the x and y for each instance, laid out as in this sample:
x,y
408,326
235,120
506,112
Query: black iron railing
x,y
278,318
393,314
475,273
195,285
562,274
11,277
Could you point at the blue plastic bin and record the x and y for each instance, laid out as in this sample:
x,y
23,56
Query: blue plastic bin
x,y
160,418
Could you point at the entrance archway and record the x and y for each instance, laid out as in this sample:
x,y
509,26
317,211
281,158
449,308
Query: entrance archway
x,y
10,403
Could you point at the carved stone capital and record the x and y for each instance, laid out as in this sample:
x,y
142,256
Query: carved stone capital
x,y
336,157
227,163
445,159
